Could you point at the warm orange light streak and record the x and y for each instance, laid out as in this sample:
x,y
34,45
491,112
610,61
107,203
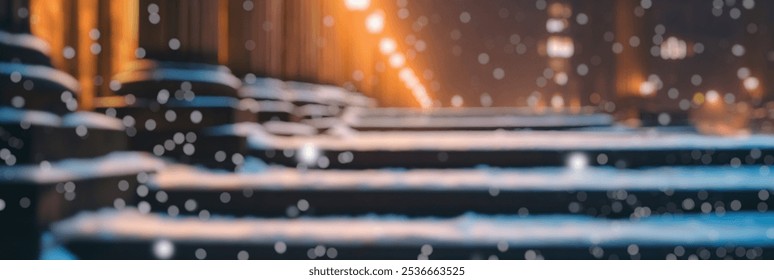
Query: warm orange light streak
x,y
87,61
223,32
375,24
45,17
123,16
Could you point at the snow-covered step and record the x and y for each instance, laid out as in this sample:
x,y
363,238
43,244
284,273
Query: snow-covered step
x,y
227,145
28,136
274,111
167,112
445,119
129,234
262,88
455,149
172,129
24,48
313,111
32,196
36,87
146,78
600,192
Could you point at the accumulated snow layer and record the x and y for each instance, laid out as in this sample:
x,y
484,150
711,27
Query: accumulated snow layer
x,y
21,40
10,115
484,122
41,72
266,130
274,89
275,106
323,123
289,128
462,112
92,120
87,119
113,164
515,140
733,229
468,117
264,89
172,73
206,102
481,179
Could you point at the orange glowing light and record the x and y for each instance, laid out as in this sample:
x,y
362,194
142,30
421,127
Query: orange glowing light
x,y
751,83
387,46
557,102
375,22
397,60
560,46
648,88
673,49
357,5
712,97
457,101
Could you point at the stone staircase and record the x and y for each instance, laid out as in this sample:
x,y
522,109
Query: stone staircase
x,y
577,203
187,161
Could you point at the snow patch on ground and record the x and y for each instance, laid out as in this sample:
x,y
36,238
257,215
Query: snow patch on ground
x,y
113,164
736,229
16,116
92,120
521,140
478,179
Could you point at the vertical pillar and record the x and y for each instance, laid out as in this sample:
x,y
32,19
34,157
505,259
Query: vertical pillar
x,y
27,79
251,37
177,90
630,62
178,40
14,16
179,30
312,41
593,60
89,39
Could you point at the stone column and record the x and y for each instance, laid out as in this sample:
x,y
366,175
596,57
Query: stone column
x,y
630,62
27,79
177,90
38,128
178,40
593,60
179,30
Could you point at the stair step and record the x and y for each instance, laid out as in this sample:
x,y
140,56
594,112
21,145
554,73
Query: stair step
x,y
145,78
516,149
34,196
179,115
37,87
35,136
600,192
129,234
24,48
448,119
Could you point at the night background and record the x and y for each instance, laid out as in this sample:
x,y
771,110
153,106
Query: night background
x,y
386,129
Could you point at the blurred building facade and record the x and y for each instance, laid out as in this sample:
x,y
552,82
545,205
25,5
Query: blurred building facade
x,y
658,55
